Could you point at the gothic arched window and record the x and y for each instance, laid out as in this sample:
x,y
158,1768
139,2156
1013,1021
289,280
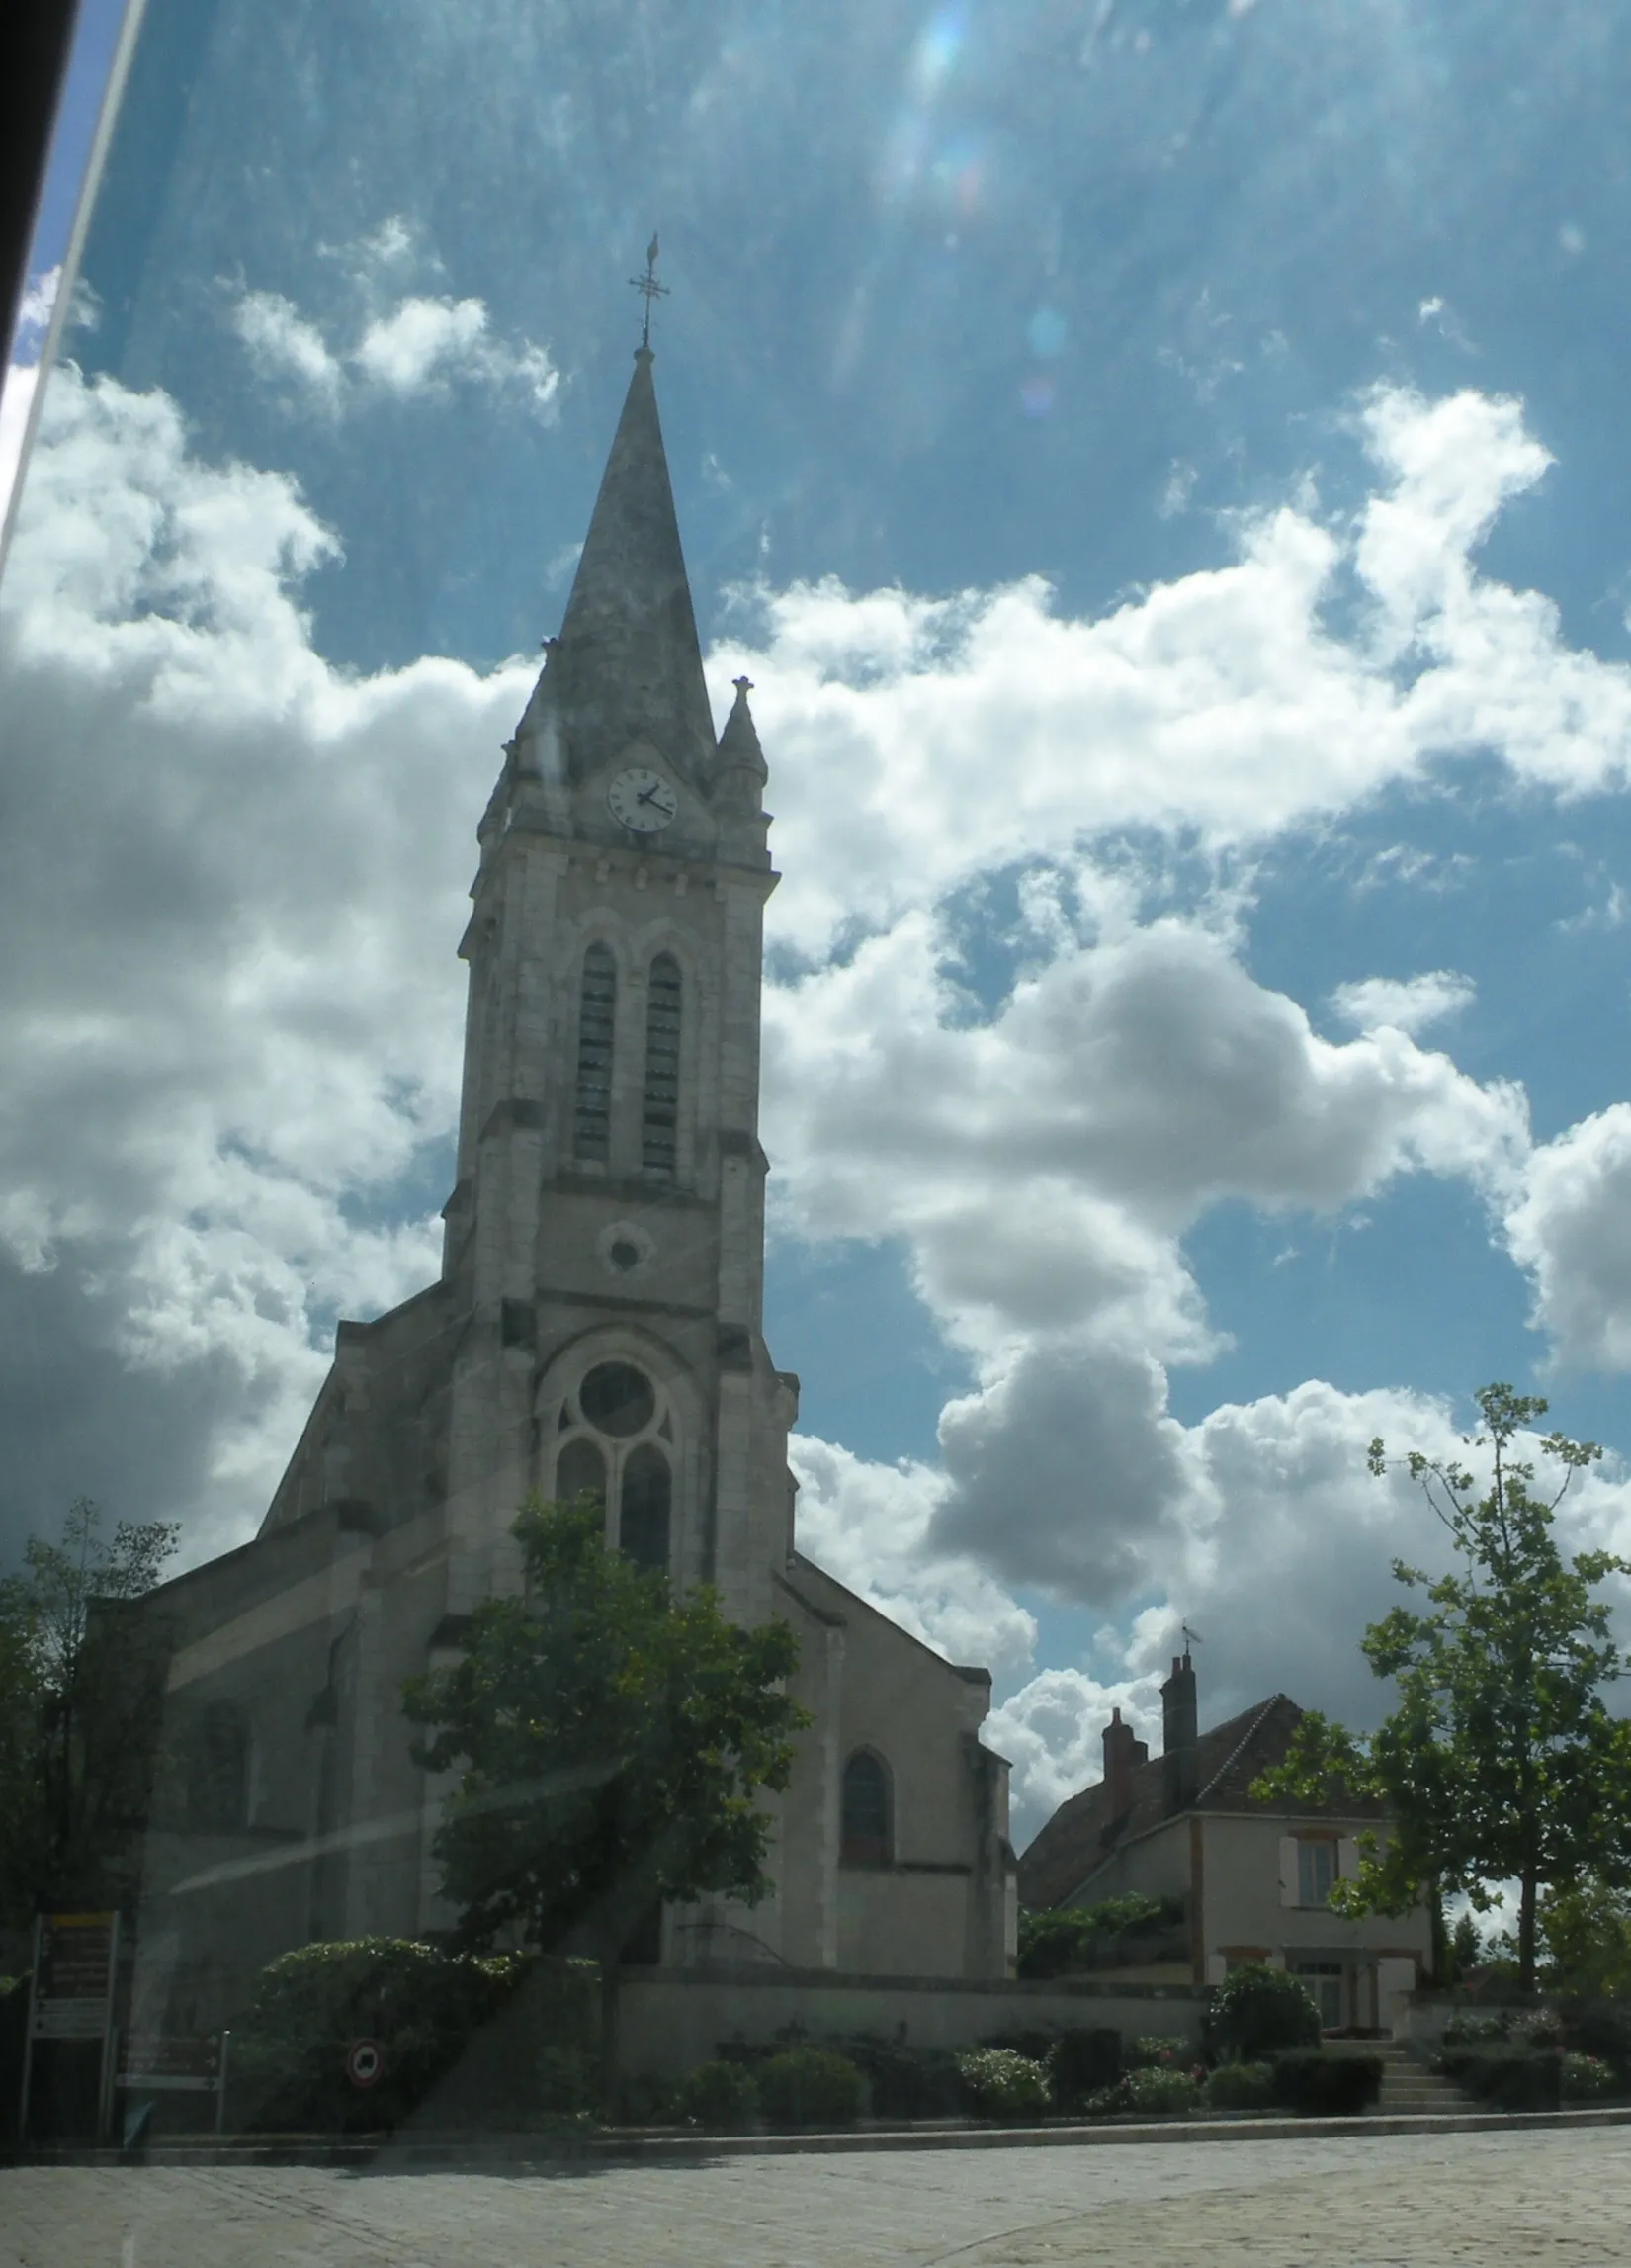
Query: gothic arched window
x,y
616,1444
643,1522
596,1019
580,1470
865,1830
659,1120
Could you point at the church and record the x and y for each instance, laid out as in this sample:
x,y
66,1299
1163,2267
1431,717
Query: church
x,y
596,1327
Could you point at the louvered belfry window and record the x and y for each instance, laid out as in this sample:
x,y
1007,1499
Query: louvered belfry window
x,y
596,1019
660,1124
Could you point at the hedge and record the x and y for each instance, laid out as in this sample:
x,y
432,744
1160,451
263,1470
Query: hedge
x,y
1512,2078
1325,2085
439,2019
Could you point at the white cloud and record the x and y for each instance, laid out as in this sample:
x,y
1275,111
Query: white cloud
x,y
1572,1231
229,1010
1407,1003
22,375
281,343
405,344
919,742
420,341
869,1523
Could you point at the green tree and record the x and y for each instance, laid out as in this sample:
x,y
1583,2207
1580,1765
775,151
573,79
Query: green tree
x,y
611,1740
81,1680
1585,1930
1500,1761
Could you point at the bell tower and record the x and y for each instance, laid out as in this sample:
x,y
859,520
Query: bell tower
x,y
604,1242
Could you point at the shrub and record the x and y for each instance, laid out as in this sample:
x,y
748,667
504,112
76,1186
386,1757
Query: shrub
x,y
1001,2084
716,2095
1325,2085
1470,2030
1156,2050
811,2087
1603,2029
1079,2064
1258,2010
426,2008
906,2082
1240,2087
1511,2077
1585,2078
1537,2028
1157,2087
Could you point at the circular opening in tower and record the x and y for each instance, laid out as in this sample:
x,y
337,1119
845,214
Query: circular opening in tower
x,y
617,1399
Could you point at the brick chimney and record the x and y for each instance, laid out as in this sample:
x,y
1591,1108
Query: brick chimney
x,y
1122,1756
1179,1733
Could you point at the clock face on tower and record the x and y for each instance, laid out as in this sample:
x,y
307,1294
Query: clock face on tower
x,y
641,800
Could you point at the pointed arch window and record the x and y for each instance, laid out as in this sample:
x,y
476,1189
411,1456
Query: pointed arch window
x,y
580,1470
865,1830
659,1120
596,1022
643,1527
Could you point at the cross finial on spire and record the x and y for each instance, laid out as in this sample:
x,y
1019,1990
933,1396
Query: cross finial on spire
x,y
649,289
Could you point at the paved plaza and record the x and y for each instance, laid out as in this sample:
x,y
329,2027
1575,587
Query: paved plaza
x,y
1400,2200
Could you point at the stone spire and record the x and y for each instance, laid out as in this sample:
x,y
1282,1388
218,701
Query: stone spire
x,y
627,664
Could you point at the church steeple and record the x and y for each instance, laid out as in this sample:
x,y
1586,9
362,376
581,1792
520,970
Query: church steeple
x,y
628,665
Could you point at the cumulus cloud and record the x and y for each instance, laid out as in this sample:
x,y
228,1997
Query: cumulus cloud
x,y
231,876
404,344
1572,1231
1221,706
1404,1004
868,1525
22,375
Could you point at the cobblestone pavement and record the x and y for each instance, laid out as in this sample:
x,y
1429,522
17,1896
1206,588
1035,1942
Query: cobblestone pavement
x,y
1393,2202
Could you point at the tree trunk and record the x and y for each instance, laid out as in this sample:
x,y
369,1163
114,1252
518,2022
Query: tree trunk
x,y
1526,1931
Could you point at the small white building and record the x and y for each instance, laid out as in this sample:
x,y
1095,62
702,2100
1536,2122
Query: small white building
x,y
1254,1879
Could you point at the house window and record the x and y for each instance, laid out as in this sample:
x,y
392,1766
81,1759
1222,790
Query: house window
x,y
864,1838
596,1019
1316,1872
659,1122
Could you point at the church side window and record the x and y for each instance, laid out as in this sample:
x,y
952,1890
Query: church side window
x,y
865,1830
659,1124
596,1019
617,1446
580,1470
217,1770
643,1524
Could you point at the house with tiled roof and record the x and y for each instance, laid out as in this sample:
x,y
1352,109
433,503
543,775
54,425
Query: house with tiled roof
x,y
1254,1879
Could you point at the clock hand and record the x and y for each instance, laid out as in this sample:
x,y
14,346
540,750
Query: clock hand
x,y
649,795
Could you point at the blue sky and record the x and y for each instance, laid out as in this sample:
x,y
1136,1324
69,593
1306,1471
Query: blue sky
x,y
1163,463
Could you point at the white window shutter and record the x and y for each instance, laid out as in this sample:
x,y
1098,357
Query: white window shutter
x,y
1288,1869
1348,1859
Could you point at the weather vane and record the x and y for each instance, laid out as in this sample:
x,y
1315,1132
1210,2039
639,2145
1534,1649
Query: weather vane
x,y
649,289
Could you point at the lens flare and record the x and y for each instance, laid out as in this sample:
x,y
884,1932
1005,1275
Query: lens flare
x,y
1036,395
1046,333
935,53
